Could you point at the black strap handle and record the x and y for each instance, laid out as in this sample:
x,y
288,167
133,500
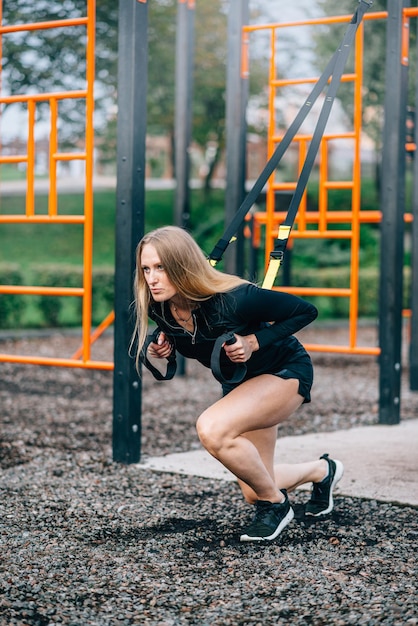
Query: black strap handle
x,y
171,360
240,369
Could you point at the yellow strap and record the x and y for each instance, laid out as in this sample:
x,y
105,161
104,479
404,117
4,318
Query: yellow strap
x,y
284,232
271,273
274,264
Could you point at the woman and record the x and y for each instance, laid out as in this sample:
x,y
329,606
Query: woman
x,y
193,305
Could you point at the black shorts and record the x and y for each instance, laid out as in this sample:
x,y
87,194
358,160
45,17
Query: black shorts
x,y
299,367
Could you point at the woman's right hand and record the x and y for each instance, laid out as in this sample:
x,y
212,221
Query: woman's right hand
x,y
162,349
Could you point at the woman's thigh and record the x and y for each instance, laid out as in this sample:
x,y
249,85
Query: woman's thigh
x,y
258,403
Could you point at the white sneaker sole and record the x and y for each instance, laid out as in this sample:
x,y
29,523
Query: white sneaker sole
x,y
285,521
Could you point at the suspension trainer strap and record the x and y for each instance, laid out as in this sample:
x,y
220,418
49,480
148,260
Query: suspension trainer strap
x,y
219,249
171,361
276,256
240,369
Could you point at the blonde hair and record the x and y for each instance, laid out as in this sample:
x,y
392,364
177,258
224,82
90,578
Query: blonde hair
x,y
187,269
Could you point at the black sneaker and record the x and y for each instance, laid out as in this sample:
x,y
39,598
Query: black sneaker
x,y
269,520
321,502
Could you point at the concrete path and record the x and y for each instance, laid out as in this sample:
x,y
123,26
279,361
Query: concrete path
x,y
381,462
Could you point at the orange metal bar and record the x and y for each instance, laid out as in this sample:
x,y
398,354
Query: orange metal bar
x,y
98,332
37,360
18,158
356,191
316,291
88,191
323,195
41,291
17,28
42,219
405,40
43,97
69,156
345,78
336,19
245,63
323,217
366,351
87,218
337,217
53,146
30,172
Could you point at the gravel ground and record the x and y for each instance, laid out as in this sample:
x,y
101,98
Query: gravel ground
x,y
85,541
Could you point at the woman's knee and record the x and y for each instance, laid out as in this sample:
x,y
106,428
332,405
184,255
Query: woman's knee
x,y
209,433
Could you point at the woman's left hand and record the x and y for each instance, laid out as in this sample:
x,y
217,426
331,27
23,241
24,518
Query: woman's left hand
x,y
242,349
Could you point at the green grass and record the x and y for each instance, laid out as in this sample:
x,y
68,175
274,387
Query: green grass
x,y
35,244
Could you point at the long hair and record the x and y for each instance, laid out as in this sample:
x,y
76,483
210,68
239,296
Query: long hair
x,y
187,269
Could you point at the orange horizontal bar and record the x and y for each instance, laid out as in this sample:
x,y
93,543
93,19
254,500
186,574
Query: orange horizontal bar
x,y
335,217
308,137
35,360
316,291
18,158
284,82
69,156
312,22
40,97
313,347
411,12
339,184
42,291
17,28
42,219
318,234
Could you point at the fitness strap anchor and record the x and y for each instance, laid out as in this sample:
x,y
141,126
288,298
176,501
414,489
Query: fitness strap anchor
x,y
334,69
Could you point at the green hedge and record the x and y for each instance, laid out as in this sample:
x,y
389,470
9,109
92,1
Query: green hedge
x,y
11,305
17,311
338,307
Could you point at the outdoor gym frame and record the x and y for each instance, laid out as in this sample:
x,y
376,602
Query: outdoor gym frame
x,y
131,199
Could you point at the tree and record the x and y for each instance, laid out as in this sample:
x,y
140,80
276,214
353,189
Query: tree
x,y
327,39
54,60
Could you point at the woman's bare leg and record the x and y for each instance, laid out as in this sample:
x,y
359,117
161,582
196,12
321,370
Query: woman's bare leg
x,y
240,431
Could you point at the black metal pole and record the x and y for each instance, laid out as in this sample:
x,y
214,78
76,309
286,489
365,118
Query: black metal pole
x,y
236,104
183,121
183,113
413,347
130,209
392,226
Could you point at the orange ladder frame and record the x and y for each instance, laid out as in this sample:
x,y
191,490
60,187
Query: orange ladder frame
x,y
82,358
323,218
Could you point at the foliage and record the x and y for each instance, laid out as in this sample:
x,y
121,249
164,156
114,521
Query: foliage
x,y
11,305
53,59
327,38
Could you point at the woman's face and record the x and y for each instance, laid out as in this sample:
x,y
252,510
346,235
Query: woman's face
x,y
155,275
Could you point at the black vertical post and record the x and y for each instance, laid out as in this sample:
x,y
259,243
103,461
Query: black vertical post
x,y
236,104
183,120
413,348
392,226
130,208
183,113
